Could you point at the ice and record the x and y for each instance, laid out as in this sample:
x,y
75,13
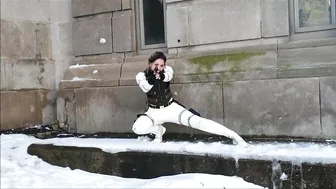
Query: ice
x,y
21,170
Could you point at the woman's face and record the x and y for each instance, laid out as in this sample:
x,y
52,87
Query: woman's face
x,y
159,64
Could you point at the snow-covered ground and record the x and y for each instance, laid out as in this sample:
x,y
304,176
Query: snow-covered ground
x,y
21,170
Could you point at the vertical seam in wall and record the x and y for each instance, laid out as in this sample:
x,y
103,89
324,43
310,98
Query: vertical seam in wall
x,y
5,76
223,102
112,39
320,104
121,67
36,108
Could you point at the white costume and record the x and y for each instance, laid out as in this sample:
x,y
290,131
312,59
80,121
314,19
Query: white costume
x,y
153,119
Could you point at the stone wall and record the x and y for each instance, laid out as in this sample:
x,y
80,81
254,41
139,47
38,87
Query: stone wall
x,y
196,25
36,50
283,90
96,19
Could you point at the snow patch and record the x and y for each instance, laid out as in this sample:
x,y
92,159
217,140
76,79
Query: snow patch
x,y
80,66
284,176
82,79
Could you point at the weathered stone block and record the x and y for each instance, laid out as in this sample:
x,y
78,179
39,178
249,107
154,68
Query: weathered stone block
x,y
22,10
209,165
130,70
309,57
61,35
29,74
60,11
256,171
273,107
126,4
61,66
2,75
274,11
122,31
46,106
25,39
99,6
235,18
81,7
177,20
108,109
66,109
318,176
197,96
328,106
87,33
226,67
18,109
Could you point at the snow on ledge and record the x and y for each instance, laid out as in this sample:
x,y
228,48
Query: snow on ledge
x,y
80,66
295,152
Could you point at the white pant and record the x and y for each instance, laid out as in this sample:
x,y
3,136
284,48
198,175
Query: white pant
x,y
174,113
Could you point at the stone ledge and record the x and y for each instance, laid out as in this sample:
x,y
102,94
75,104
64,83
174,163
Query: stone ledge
x,y
146,165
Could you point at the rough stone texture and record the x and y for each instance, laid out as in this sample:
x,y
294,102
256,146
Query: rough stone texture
x,y
197,96
61,66
26,108
307,62
129,71
319,175
122,31
46,106
227,67
22,10
88,7
16,105
81,7
307,57
273,107
257,171
25,39
66,109
108,109
178,25
99,6
147,165
126,4
61,35
87,33
2,75
328,106
40,75
60,11
274,11
225,20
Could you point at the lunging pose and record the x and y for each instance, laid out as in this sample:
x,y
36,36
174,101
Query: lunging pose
x,y
155,81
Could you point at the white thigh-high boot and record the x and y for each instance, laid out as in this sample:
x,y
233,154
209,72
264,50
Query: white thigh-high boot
x,y
187,118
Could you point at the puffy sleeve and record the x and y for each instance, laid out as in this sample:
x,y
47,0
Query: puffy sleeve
x,y
142,82
168,74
